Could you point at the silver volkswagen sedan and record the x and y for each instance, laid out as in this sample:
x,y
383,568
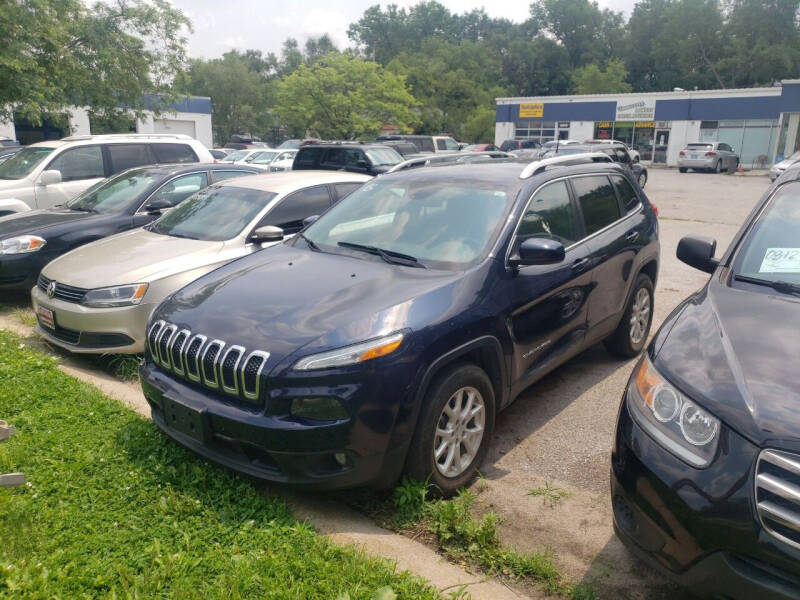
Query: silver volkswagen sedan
x,y
97,298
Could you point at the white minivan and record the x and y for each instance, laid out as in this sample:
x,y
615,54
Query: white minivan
x,y
48,173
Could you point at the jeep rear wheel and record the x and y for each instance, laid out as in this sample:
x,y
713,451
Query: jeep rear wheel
x,y
454,429
631,334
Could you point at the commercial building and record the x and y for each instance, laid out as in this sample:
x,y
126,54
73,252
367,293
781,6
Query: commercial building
x,y
761,124
190,115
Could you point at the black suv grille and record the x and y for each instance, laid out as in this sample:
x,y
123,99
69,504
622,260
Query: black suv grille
x,y
778,494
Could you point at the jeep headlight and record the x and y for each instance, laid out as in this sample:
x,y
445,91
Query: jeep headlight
x,y
675,421
22,244
351,355
120,295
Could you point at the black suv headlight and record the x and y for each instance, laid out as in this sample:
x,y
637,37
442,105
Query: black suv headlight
x,y
677,423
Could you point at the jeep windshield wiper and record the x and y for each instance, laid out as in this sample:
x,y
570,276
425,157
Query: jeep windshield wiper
x,y
784,287
390,256
311,243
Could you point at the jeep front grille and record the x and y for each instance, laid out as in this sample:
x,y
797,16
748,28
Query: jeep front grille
x,y
212,364
778,494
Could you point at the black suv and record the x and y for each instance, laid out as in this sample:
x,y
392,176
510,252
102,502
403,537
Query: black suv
x,y
371,159
389,333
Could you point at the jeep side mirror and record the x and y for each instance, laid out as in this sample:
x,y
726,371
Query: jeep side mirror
x,y
698,251
50,177
267,233
156,206
309,220
539,251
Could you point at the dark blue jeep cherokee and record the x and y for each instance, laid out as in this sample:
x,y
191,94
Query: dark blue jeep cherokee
x,y
389,333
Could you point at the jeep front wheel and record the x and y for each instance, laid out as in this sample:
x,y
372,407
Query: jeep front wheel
x,y
454,429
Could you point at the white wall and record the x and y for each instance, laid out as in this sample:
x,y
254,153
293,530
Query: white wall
x,y
202,125
581,130
682,133
7,130
502,132
79,121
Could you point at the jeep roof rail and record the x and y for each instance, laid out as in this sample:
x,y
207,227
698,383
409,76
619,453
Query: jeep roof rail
x,y
440,159
127,136
565,160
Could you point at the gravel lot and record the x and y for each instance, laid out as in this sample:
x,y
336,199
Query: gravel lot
x,y
561,430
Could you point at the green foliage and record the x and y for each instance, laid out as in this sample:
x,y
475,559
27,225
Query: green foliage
x,y
342,97
60,53
591,79
408,499
550,494
115,509
26,316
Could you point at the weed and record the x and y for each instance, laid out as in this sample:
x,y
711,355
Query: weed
x,y
409,501
25,315
115,509
550,494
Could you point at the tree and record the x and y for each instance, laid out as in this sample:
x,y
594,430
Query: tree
x,y
61,53
591,79
316,48
240,97
538,67
343,97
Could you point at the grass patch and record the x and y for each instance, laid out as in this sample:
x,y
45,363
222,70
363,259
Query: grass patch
x,y
114,509
450,525
549,494
25,315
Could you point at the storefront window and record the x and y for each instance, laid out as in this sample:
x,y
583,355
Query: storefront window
x,y
643,140
542,131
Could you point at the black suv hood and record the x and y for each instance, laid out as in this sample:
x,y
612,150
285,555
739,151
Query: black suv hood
x,y
737,352
36,221
284,298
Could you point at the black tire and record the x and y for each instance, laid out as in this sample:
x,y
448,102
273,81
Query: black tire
x,y
718,167
421,463
623,342
682,169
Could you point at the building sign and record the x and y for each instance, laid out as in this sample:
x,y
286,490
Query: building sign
x,y
604,124
563,124
636,109
531,111
645,124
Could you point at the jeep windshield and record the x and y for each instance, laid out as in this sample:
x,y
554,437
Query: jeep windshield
x,y
215,214
439,222
22,163
770,254
116,193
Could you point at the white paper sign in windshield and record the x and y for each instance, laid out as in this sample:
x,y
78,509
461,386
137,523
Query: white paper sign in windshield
x,y
781,260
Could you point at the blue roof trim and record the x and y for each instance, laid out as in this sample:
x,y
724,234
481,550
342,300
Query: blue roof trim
x,y
188,104
714,109
562,111
790,97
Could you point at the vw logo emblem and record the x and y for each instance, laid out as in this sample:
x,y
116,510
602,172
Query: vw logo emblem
x,y
51,289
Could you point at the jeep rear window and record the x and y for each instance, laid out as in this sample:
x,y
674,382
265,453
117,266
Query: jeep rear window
x,y
444,223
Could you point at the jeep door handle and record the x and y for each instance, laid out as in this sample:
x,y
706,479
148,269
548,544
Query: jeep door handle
x,y
632,235
580,265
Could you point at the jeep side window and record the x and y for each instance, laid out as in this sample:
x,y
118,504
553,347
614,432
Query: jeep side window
x,y
626,192
83,162
291,211
597,200
550,215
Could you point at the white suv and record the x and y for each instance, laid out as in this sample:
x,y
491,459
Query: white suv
x,y
49,173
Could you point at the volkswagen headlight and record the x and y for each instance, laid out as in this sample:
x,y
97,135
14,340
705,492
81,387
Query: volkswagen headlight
x,y
351,355
22,244
675,421
120,295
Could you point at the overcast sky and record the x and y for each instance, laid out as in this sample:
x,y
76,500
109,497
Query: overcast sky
x,y
220,25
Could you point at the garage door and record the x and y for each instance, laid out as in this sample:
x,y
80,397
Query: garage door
x,y
174,126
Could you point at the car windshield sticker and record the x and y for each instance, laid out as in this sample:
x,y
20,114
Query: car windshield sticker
x,y
781,260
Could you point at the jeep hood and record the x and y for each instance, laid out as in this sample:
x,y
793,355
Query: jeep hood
x,y
137,256
736,351
284,298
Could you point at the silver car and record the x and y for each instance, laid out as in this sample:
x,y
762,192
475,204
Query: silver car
x,y
97,298
778,168
708,156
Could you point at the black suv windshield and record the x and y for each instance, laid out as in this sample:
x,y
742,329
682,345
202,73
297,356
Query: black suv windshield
x,y
214,214
771,251
22,163
442,222
116,193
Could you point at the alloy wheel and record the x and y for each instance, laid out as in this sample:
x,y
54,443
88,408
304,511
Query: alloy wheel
x,y
642,180
640,316
459,432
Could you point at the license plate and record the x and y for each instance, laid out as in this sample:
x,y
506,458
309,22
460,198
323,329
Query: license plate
x,y
47,318
695,156
184,419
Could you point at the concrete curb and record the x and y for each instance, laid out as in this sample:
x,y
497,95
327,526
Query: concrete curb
x,y
339,523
